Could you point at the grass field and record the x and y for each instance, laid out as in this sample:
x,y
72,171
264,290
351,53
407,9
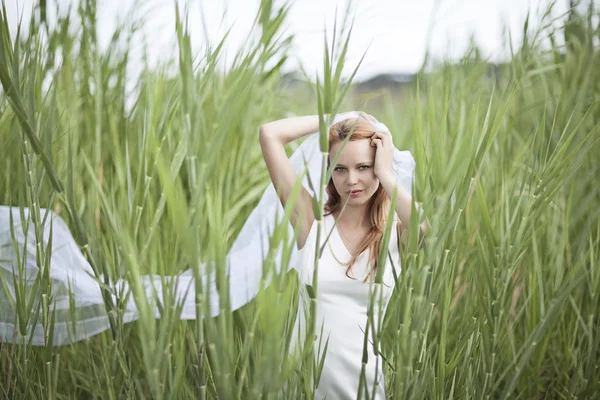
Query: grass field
x,y
156,174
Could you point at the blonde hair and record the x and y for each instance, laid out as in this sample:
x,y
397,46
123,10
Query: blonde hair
x,y
379,203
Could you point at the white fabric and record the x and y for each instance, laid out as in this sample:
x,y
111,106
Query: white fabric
x,y
80,311
342,305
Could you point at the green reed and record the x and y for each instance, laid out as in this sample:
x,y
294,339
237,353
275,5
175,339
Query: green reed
x,y
501,302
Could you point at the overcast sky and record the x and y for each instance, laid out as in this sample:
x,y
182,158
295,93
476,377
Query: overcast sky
x,y
394,31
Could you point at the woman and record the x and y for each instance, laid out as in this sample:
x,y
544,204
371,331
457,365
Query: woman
x,y
359,192
367,172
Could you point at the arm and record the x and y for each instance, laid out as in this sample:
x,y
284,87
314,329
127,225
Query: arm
x,y
273,137
403,203
384,155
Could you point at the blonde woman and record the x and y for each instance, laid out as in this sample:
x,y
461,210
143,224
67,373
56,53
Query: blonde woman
x,y
368,170
358,199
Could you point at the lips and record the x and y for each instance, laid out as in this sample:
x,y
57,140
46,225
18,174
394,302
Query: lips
x,y
355,191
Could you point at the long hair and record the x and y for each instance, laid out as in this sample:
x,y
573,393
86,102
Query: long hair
x,y
379,203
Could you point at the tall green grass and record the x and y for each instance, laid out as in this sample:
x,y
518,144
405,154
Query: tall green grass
x,y
502,302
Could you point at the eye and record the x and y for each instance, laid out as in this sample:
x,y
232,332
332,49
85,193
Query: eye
x,y
339,169
363,167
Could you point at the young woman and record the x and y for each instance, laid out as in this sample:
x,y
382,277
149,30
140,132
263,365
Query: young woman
x,y
368,169
359,192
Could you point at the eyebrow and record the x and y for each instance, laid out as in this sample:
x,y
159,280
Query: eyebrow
x,y
360,163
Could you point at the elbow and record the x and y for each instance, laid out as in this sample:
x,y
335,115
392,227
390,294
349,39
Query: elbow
x,y
424,226
264,133
264,130
423,229
267,136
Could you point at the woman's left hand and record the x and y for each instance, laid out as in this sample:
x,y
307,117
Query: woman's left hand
x,y
384,154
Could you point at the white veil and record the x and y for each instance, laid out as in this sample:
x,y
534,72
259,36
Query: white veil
x,y
78,302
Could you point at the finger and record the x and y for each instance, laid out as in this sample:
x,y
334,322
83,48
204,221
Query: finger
x,y
384,135
378,135
374,138
377,142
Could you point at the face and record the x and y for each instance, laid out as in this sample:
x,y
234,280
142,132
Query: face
x,y
354,171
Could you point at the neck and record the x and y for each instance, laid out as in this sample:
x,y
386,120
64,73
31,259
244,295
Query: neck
x,y
353,218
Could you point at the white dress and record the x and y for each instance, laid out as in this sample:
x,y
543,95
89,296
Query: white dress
x,y
342,306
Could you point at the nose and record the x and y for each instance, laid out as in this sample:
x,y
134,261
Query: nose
x,y
352,178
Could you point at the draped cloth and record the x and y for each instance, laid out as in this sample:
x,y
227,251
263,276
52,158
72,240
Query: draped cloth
x,y
77,301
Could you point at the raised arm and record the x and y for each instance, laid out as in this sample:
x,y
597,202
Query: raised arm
x,y
383,141
273,136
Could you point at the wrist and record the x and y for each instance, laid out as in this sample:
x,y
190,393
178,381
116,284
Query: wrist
x,y
387,179
289,129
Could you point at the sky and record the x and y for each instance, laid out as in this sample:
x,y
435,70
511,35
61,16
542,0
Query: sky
x,y
394,33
